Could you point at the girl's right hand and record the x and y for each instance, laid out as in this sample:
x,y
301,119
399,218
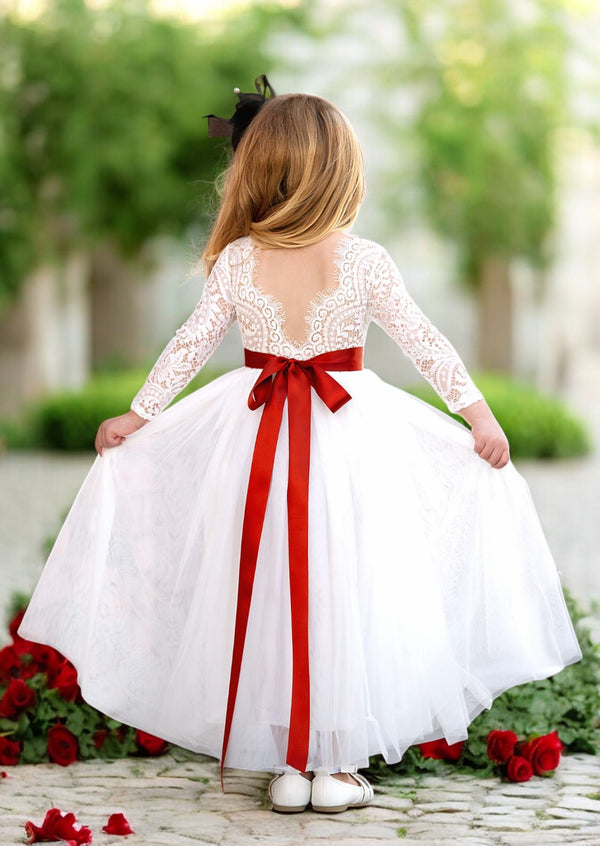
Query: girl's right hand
x,y
112,432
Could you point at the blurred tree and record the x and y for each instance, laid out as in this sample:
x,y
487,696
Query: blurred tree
x,y
490,82
102,137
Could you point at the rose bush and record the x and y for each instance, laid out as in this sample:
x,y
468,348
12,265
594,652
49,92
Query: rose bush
x,y
17,697
44,718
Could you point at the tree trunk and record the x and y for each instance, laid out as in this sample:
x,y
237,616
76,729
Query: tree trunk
x,y
119,307
495,312
44,334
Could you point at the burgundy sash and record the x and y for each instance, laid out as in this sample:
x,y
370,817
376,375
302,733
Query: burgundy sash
x,y
281,379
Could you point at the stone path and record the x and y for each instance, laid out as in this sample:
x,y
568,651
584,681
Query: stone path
x,y
174,803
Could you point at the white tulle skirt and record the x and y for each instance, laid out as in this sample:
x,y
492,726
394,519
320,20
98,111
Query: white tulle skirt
x,y
432,589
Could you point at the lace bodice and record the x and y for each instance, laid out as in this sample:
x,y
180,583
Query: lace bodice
x,y
369,288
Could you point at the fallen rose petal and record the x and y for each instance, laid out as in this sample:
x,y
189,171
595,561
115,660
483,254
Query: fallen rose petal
x,y
3,774
58,826
117,824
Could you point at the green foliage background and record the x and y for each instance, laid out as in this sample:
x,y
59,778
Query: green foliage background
x,y
492,86
536,425
102,130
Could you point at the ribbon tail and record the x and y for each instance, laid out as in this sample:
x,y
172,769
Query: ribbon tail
x,y
254,516
299,407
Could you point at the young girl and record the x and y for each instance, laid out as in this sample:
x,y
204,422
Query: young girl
x,y
299,566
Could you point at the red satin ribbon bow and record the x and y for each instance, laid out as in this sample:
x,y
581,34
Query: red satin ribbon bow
x,y
281,379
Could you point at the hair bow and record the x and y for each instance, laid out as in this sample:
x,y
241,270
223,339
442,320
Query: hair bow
x,y
247,107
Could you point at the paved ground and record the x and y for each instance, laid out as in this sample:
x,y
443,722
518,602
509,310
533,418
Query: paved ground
x,y
171,802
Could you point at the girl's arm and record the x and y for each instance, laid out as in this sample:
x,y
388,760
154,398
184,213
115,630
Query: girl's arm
x,y
182,358
392,307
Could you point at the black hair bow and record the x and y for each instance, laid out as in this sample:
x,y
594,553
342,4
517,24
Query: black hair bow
x,y
245,110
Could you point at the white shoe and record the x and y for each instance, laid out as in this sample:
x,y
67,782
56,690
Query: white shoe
x,y
289,793
331,796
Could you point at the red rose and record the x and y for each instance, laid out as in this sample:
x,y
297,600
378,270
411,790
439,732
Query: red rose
x,y
543,752
62,745
501,745
65,681
117,824
149,743
99,738
9,751
15,623
518,768
46,659
9,663
57,826
21,645
442,750
17,697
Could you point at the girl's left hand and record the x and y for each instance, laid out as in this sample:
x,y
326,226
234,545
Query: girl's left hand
x,y
112,432
491,443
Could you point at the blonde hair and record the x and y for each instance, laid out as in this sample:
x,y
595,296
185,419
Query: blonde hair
x,y
296,176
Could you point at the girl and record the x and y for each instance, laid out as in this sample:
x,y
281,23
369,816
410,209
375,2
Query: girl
x,y
299,566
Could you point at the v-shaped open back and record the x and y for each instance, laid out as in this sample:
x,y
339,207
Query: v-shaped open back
x,y
297,281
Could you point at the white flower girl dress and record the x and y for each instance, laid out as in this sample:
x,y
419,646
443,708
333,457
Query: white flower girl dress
x,y
430,586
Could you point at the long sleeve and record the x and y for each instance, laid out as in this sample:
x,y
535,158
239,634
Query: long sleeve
x,y
392,308
192,345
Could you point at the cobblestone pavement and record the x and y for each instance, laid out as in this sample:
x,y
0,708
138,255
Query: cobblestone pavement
x,y
170,802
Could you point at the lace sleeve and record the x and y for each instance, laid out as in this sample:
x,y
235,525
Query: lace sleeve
x,y
192,345
392,308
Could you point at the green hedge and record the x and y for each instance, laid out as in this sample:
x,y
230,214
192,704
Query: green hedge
x,y
537,426
68,421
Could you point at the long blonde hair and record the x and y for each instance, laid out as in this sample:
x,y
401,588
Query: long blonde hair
x,y
296,176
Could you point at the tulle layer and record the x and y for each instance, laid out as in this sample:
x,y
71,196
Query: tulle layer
x,y
432,588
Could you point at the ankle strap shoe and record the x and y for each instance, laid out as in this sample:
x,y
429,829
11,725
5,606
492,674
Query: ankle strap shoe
x,y
331,796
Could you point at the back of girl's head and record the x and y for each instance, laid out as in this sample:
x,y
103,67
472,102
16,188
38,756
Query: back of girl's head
x,y
296,176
